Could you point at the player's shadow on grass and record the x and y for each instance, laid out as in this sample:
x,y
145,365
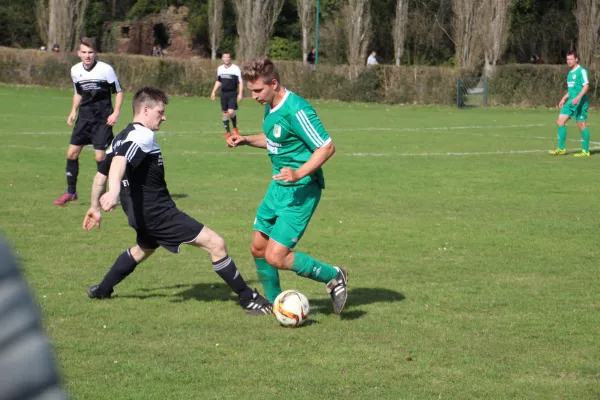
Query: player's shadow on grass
x,y
184,292
179,195
357,297
221,292
595,151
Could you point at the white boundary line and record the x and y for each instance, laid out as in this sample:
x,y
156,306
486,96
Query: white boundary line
x,y
342,130
262,154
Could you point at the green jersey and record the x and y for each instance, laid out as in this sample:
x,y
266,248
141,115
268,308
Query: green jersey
x,y
576,79
293,133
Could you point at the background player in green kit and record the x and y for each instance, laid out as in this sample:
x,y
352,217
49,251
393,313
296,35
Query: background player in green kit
x,y
574,105
298,146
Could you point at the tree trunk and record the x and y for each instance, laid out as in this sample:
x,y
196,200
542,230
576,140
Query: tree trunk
x,y
587,15
495,28
215,25
255,20
306,14
467,31
357,15
400,28
61,22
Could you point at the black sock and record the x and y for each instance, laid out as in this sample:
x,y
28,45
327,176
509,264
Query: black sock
x,y
72,172
123,266
234,121
229,273
226,124
98,165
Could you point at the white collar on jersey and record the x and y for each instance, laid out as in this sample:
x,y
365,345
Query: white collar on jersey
x,y
285,96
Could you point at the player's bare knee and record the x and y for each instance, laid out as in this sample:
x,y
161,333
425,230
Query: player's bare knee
x,y
139,254
99,157
72,154
216,245
274,259
231,113
257,251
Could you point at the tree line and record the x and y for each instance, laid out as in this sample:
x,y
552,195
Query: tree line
x,y
462,33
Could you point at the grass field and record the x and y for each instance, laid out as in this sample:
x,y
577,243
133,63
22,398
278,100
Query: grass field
x,y
473,259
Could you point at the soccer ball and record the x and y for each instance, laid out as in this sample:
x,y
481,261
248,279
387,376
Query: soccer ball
x,y
291,308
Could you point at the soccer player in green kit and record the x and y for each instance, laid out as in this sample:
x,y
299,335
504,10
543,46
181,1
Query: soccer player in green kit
x,y
574,105
298,146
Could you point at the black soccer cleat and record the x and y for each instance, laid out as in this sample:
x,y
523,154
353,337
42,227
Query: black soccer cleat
x,y
257,305
94,292
337,290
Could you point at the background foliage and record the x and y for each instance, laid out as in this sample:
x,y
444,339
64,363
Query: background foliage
x,y
543,27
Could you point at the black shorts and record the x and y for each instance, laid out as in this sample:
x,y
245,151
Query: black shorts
x,y
175,228
96,133
228,101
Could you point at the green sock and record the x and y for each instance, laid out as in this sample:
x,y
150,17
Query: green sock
x,y
585,140
562,137
307,266
268,277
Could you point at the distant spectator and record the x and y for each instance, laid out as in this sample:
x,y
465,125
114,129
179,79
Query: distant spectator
x,y
56,48
310,57
536,59
157,51
372,60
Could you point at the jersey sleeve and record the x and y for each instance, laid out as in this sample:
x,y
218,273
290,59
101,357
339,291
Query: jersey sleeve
x,y
115,86
584,77
308,127
238,72
137,147
74,78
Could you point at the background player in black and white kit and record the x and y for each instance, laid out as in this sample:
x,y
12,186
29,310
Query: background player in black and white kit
x,y
137,174
95,82
229,79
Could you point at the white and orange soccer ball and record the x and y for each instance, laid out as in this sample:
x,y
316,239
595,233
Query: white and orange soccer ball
x,y
291,308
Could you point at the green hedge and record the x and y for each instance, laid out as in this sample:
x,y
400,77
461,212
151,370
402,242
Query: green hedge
x,y
522,85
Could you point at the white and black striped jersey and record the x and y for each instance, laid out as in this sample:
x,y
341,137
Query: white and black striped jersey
x,y
144,176
230,77
95,87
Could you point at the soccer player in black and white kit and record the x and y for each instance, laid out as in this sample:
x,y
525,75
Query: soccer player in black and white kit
x,y
94,82
229,79
135,170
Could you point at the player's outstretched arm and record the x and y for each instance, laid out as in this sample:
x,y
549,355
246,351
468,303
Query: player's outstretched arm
x,y
316,161
585,89
73,115
108,201
214,91
114,117
259,141
93,216
563,100
240,95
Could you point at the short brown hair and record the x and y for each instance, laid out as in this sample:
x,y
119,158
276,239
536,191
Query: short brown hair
x,y
89,42
573,53
149,96
258,68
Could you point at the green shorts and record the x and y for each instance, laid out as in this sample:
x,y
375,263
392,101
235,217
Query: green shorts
x,y
578,112
286,211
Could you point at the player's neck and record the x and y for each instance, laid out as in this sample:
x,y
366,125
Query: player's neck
x,y
91,66
574,67
278,98
139,121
